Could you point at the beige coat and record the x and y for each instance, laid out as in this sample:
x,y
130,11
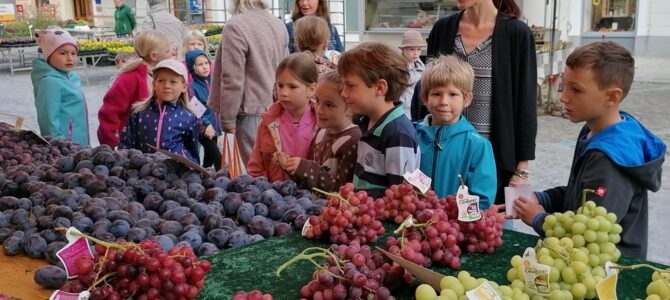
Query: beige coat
x,y
161,20
253,44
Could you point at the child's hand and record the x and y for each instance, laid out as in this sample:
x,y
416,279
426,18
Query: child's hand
x,y
291,164
209,132
527,209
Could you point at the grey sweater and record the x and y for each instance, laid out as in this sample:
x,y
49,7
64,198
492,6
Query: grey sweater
x,y
252,45
160,19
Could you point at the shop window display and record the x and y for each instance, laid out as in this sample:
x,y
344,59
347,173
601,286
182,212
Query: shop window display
x,y
398,14
611,16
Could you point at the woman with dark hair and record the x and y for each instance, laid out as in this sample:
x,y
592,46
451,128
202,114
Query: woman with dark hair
x,y
317,8
489,36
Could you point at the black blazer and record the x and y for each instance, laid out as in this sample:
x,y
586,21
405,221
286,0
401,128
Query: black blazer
x,y
514,121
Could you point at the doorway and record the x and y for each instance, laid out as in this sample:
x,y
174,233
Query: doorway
x,y
83,9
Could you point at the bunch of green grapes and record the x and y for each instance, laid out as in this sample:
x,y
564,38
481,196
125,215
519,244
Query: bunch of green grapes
x,y
454,288
659,288
571,276
592,229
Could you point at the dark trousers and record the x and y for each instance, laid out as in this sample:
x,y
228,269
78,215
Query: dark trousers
x,y
212,152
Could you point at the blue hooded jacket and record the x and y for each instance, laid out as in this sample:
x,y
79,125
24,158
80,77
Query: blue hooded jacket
x,y
621,162
200,87
60,103
168,126
447,151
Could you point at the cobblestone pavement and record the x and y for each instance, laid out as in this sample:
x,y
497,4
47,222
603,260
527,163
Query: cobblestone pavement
x,y
555,142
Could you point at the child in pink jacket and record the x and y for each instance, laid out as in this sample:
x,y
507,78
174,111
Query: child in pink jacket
x,y
293,116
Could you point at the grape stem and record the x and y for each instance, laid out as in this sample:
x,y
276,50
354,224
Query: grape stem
x,y
90,238
561,255
638,266
103,278
584,193
331,194
304,256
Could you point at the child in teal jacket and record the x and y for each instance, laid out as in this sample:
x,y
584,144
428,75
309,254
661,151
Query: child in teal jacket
x,y
59,100
450,145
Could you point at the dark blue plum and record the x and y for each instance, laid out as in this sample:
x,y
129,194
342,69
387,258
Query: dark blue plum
x,y
136,235
262,226
212,221
49,235
171,227
215,194
207,249
200,210
191,237
51,250
82,224
277,210
189,219
282,229
177,213
4,234
245,212
120,228
270,196
231,203
25,203
261,209
62,222
250,197
136,210
20,216
222,182
218,237
306,203
50,277
119,215
168,205
34,246
238,239
196,190
12,246
166,242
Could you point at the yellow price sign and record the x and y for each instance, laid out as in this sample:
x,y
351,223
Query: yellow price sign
x,y
606,289
596,2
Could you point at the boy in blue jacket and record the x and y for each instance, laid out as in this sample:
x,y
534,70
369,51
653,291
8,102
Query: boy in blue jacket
x,y
615,155
450,146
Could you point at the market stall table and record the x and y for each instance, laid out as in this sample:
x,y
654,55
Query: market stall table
x,y
253,267
94,58
20,49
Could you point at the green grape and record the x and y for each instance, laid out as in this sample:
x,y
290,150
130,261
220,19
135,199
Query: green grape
x,y
554,286
591,294
578,240
593,224
559,264
516,261
653,297
567,243
559,231
581,218
520,274
469,283
578,290
579,267
568,223
546,260
614,238
511,274
448,294
556,295
616,255
604,257
598,271
550,220
560,217
554,275
594,260
590,283
602,237
590,204
551,242
518,284
565,286
570,214
549,232
537,297
444,298
578,227
543,251
425,292
659,288
579,255
610,216
590,236
568,275
616,229
505,291
462,275
593,248
600,211
452,283
607,248
605,225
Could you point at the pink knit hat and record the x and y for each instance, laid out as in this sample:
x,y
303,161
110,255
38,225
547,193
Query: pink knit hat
x,y
53,38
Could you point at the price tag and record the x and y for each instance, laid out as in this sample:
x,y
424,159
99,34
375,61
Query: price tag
x,y
468,205
409,222
418,180
197,107
306,227
606,289
60,295
536,275
483,292
77,246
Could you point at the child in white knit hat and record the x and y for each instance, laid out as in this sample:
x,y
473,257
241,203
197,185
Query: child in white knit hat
x,y
411,46
60,102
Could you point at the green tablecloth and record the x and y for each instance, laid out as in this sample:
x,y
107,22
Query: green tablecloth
x,y
253,267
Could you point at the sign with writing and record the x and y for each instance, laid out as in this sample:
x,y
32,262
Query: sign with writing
x,y
76,247
7,13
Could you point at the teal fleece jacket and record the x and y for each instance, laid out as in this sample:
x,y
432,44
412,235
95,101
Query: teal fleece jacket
x,y
60,102
447,151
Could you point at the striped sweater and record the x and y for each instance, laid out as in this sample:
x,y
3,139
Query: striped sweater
x,y
385,152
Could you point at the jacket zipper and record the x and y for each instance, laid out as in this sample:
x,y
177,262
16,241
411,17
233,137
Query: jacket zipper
x,y
83,97
437,147
69,131
161,114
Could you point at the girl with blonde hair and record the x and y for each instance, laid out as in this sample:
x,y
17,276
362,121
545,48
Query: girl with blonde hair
x,y
133,84
311,37
164,120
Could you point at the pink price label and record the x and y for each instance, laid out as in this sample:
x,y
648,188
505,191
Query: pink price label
x,y
69,254
60,295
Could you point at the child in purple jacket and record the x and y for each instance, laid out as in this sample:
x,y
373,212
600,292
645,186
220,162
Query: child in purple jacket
x,y
164,121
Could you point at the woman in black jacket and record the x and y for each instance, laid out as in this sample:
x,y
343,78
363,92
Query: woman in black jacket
x,y
501,49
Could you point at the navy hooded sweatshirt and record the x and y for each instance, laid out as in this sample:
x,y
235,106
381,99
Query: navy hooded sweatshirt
x,y
200,88
623,161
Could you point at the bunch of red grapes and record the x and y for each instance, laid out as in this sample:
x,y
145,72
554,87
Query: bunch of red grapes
x,y
402,201
431,239
140,271
355,272
483,235
349,216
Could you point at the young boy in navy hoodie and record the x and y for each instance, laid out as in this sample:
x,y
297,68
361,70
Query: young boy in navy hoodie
x,y
615,154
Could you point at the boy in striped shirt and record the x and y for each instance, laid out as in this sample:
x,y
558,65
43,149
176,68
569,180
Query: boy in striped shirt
x,y
374,77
